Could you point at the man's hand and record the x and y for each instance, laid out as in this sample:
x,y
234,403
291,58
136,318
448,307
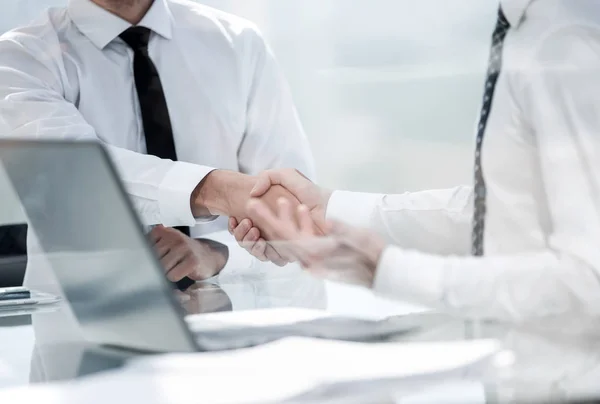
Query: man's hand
x,y
183,256
250,239
227,193
247,232
306,192
249,236
346,254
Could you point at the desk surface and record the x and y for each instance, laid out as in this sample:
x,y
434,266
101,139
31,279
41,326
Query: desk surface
x,y
545,365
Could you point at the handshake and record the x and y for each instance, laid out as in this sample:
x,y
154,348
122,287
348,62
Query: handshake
x,y
280,216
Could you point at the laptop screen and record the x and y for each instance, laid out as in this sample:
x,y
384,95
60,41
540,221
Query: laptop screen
x,y
95,244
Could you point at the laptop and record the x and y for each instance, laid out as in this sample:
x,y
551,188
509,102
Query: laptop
x,y
109,274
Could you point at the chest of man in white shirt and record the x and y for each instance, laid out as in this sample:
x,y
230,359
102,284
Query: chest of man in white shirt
x,y
541,167
69,75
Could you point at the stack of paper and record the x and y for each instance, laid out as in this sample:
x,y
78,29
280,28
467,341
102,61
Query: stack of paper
x,y
269,373
331,361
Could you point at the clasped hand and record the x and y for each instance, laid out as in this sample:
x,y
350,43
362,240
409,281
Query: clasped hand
x,y
287,223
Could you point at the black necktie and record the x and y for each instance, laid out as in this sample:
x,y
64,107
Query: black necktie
x,y
153,105
495,65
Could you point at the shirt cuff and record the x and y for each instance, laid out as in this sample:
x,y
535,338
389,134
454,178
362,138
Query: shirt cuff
x,y
353,208
405,275
175,192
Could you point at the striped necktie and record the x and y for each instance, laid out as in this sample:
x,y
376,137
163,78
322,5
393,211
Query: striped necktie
x,y
494,67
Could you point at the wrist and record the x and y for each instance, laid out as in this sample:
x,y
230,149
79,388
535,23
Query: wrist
x,y
219,191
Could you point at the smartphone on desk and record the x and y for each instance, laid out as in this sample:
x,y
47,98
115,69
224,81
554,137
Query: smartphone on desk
x,y
21,296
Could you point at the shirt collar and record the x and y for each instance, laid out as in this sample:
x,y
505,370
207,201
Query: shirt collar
x,y
102,27
514,10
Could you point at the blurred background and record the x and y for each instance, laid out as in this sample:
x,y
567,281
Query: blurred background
x,y
388,90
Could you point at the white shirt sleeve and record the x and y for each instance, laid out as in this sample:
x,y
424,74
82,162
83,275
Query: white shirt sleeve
x,y
32,106
437,221
560,95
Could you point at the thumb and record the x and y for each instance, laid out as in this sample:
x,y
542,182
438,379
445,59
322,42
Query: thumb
x,y
263,183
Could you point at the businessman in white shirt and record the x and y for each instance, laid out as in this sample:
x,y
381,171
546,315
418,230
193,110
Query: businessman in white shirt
x,y
522,243
108,69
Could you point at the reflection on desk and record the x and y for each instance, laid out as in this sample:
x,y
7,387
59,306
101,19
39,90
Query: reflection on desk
x,y
529,368
537,366
204,298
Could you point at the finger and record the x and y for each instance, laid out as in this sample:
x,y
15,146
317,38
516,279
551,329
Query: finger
x,y
285,177
259,250
305,221
275,227
181,269
156,234
282,252
162,247
250,239
263,183
242,229
233,223
260,211
285,211
173,257
274,256
293,250
290,231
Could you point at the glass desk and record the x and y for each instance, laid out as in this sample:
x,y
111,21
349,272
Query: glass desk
x,y
535,366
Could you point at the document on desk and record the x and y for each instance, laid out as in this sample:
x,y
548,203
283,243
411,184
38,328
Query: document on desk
x,y
294,365
266,374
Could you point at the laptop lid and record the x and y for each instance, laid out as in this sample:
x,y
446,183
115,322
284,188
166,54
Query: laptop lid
x,y
94,242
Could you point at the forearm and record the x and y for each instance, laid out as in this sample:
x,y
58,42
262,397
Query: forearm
x,y
532,287
437,221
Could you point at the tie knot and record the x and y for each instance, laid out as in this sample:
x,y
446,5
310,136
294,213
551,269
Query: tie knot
x,y
502,20
136,37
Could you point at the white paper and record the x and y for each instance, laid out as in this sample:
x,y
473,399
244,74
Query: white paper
x,y
263,374
334,361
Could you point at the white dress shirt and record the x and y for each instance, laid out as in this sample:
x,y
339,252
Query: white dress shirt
x,y
69,75
541,163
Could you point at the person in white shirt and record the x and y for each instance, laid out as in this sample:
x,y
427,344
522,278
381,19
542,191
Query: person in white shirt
x,y
70,75
532,253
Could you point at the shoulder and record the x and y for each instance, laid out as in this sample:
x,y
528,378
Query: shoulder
x,y
556,48
35,49
40,37
569,35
